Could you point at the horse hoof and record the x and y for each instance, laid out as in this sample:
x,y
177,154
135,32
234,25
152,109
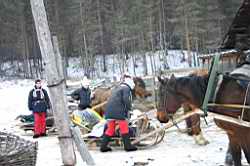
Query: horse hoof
x,y
200,140
229,160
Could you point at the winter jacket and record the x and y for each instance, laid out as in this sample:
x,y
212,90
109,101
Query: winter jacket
x,y
119,104
38,100
83,95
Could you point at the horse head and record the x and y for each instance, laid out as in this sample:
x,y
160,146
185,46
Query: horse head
x,y
179,92
140,88
169,100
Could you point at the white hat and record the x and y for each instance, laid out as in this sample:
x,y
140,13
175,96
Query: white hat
x,y
126,74
85,82
130,82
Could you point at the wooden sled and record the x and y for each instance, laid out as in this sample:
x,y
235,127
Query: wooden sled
x,y
141,125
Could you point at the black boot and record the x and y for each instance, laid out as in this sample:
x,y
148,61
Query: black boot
x,y
104,144
36,136
43,134
127,143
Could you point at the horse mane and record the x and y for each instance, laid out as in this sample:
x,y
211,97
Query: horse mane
x,y
195,84
139,81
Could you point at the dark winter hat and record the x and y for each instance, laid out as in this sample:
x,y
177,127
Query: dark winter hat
x,y
38,81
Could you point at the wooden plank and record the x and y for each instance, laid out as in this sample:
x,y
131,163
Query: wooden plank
x,y
225,118
238,122
82,148
228,105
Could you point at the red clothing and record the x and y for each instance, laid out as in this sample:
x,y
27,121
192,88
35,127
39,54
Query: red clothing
x,y
123,126
39,123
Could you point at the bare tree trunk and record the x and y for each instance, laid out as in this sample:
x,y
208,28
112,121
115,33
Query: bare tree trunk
x,y
145,67
101,35
134,63
134,57
83,56
152,61
25,51
34,52
56,87
187,37
119,59
163,37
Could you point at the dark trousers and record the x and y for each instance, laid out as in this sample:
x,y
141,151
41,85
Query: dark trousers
x,y
123,126
39,123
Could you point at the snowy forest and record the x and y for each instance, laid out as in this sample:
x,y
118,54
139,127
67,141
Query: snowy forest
x,y
91,29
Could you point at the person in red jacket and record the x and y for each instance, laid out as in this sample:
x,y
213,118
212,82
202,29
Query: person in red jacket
x,y
117,113
39,103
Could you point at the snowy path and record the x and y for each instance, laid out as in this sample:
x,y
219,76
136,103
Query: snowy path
x,y
176,150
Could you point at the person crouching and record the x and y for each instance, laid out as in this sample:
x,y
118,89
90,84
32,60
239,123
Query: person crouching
x,y
117,110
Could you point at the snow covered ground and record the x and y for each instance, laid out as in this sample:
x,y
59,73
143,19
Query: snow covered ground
x,y
176,150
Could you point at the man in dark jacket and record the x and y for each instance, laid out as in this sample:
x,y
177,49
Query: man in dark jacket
x,y
38,103
117,110
83,94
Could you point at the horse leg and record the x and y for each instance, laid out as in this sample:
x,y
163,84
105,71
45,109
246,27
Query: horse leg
x,y
189,126
235,150
247,153
193,123
246,148
229,158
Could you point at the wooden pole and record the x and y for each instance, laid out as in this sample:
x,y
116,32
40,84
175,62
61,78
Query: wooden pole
x,y
82,148
55,82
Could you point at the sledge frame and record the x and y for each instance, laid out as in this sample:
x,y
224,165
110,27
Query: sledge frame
x,y
142,124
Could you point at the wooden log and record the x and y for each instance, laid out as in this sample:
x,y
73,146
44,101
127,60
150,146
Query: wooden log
x,y
55,81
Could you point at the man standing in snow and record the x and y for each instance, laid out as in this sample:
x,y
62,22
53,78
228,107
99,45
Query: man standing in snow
x,y
38,103
83,94
117,110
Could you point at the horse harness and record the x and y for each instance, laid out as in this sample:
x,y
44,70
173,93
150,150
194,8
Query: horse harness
x,y
244,81
171,115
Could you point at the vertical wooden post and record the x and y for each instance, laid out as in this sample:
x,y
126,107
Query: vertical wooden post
x,y
55,82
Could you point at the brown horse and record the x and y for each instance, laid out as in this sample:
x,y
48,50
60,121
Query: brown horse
x,y
190,91
192,123
101,95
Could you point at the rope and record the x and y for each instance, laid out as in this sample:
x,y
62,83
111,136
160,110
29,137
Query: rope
x,y
245,99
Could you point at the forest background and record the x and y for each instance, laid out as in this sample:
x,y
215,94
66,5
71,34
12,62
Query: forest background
x,y
91,30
